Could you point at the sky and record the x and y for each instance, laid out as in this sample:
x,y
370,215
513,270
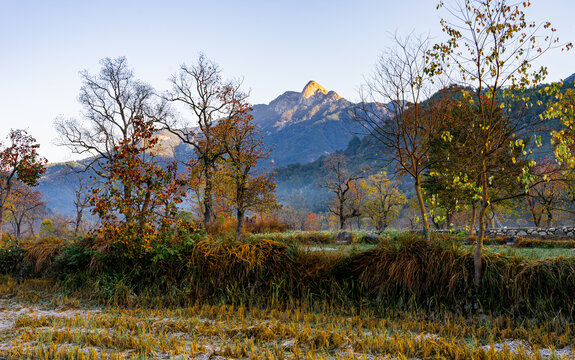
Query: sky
x,y
273,46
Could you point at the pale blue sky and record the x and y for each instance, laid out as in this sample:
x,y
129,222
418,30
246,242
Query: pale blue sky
x,y
273,45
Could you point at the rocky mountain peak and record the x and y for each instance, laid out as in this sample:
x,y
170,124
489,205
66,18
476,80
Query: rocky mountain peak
x,y
311,89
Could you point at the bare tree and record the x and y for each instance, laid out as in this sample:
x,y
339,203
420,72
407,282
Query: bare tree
x,y
339,180
113,101
294,212
392,111
24,207
81,202
209,98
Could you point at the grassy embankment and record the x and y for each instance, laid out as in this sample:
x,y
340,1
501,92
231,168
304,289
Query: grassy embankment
x,y
280,298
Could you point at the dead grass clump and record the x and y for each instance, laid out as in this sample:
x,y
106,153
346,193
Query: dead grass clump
x,y
544,285
414,268
223,262
41,252
302,237
316,272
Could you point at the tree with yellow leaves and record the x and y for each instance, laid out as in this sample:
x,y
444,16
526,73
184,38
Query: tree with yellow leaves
x,y
383,200
491,45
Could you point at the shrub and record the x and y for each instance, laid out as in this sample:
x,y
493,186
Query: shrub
x,y
187,264
11,255
264,224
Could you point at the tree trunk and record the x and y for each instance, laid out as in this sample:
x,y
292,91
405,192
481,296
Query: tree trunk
x,y
473,220
240,224
479,246
79,215
209,216
18,223
478,249
422,209
448,220
341,216
128,201
1,216
3,196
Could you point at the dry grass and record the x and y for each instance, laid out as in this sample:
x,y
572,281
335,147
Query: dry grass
x,y
54,330
41,252
406,272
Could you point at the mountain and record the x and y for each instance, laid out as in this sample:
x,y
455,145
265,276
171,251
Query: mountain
x,y
299,127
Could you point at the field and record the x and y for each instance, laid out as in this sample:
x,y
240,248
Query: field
x,y
295,297
36,324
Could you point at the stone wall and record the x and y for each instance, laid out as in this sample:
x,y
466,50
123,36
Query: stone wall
x,y
539,232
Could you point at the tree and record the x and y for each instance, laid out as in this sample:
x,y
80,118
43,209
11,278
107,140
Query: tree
x,y
546,197
453,180
294,212
355,202
81,202
447,183
113,101
339,181
118,132
24,207
393,112
154,190
562,107
383,200
244,149
491,45
201,89
18,161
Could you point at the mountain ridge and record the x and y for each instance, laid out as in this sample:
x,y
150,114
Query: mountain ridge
x,y
302,126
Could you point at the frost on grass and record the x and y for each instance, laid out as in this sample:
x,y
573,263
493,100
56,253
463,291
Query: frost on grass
x,y
223,332
520,347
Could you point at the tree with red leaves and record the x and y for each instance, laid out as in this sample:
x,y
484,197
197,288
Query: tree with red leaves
x,y
131,217
19,160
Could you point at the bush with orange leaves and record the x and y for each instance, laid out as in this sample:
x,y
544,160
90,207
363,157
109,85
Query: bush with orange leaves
x,y
264,224
224,224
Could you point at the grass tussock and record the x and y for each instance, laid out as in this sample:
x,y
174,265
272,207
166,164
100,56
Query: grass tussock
x,y
412,268
230,261
299,237
41,252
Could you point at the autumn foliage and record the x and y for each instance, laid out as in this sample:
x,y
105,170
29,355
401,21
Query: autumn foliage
x,y
20,161
139,195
